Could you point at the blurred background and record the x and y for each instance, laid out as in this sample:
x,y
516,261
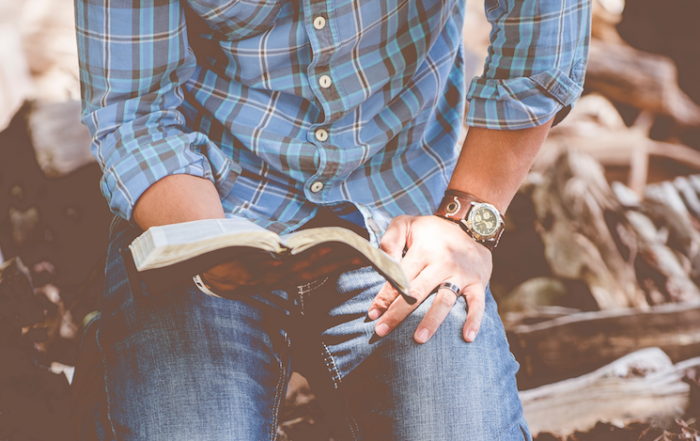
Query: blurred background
x,y
597,276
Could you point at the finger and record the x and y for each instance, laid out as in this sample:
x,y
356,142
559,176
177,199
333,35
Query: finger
x,y
421,287
394,240
382,301
441,307
475,295
412,265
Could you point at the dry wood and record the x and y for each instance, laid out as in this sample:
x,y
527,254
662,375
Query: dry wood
x,y
643,80
61,143
665,274
584,230
575,344
595,127
689,194
616,148
15,82
639,386
606,15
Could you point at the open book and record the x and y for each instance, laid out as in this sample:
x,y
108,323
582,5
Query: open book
x,y
165,256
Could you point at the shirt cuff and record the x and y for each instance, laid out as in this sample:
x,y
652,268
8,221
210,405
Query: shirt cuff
x,y
520,103
127,179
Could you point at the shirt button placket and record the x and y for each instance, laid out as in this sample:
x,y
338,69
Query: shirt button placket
x,y
325,82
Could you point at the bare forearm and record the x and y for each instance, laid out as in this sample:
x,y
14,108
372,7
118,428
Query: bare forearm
x,y
493,163
175,199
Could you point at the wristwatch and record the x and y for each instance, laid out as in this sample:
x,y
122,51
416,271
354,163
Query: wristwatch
x,y
478,219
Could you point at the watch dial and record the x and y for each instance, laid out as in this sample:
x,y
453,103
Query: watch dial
x,y
484,221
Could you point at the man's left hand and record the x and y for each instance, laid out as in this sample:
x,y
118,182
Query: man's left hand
x,y
437,251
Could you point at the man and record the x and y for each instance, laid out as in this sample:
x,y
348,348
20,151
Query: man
x,y
293,114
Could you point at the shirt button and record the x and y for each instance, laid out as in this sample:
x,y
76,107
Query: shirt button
x,y
319,23
321,135
316,187
325,81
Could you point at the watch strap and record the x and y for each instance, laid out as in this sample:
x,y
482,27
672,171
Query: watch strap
x,y
455,206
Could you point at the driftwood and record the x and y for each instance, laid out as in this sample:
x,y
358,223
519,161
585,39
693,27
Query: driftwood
x,y
584,230
15,83
595,127
61,143
630,251
606,15
576,344
640,386
640,79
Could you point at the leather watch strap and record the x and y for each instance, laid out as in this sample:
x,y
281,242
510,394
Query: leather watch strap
x,y
455,206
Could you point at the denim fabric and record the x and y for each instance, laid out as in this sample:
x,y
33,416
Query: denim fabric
x,y
181,365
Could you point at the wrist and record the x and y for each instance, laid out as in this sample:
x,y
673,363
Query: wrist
x,y
480,220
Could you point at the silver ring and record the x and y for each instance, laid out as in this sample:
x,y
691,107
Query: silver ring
x,y
451,286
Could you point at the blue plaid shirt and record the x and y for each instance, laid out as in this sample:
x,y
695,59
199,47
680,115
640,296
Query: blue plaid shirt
x,y
355,105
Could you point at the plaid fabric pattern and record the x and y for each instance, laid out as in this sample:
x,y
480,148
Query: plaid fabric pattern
x,y
355,105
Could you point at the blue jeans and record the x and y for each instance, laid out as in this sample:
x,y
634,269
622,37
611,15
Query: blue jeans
x,y
181,365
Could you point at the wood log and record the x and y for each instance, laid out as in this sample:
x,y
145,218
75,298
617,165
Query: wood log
x,y
656,252
595,127
606,15
576,344
669,210
48,40
659,270
15,80
61,143
640,79
585,232
640,386
535,314
689,195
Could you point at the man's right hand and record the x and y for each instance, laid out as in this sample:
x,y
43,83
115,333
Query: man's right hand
x,y
183,198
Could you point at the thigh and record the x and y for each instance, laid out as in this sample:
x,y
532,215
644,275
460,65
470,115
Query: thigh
x,y
446,389
181,365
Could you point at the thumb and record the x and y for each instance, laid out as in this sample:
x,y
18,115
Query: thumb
x,y
394,240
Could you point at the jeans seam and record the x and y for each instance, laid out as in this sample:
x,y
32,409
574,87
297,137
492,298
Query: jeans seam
x,y
109,407
337,383
279,391
308,289
113,224
312,286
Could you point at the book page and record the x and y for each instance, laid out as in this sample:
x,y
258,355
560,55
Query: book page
x,y
165,245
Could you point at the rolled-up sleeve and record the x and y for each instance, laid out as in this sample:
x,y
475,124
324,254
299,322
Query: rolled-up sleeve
x,y
536,63
134,59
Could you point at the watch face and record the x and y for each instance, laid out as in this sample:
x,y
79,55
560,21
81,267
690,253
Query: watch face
x,y
484,220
